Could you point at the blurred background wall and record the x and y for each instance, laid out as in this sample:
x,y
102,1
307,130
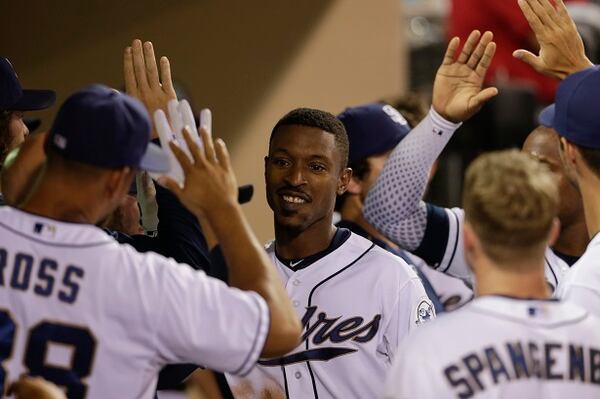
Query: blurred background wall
x,y
250,62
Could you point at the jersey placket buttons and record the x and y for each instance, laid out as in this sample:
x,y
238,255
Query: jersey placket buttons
x,y
298,375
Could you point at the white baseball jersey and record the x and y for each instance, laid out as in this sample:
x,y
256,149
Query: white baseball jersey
x,y
100,319
501,348
394,205
454,262
582,283
356,303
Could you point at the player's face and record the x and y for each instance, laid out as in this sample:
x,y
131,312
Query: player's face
x,y
376,164
21,168
17,129
543,144
303,175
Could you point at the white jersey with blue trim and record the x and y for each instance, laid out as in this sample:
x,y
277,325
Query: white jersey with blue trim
x,y
454,263
100,320
356,303
395,207
582,283
501,348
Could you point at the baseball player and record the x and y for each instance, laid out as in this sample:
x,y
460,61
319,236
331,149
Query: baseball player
x,y
373,132
100,319
356,300
394,204
512,340
577,122
562,55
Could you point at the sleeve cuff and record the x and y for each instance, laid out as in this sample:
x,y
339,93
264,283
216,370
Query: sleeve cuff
x,y
260,338
441,124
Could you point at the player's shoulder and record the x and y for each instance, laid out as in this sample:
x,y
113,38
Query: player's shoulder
x,y
380,258
586,271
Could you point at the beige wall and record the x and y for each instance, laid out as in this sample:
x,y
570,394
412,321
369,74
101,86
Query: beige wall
x,y
250,62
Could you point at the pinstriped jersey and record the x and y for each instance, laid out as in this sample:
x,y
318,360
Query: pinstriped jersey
x,y
100,320
356,303
501,347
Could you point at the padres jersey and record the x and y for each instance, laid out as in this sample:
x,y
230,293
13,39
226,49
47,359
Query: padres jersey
x,y
356,303
582,283
501,348
100,319
442,247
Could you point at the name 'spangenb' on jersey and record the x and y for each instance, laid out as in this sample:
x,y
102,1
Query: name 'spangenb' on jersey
x,y
100,319
502,347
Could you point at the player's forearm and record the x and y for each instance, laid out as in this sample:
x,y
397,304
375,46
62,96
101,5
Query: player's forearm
x,y
251,269
395,199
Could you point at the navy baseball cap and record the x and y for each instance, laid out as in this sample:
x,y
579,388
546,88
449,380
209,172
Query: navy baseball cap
x,y
14,98
102,127
575,114
373,129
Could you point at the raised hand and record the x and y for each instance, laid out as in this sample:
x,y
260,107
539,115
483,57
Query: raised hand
x,y
458,87
142,79
561,48
170,129
210,183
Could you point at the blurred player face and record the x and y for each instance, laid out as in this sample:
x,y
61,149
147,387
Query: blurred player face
x,y
21,169
543,144
17,129
303,174
126,218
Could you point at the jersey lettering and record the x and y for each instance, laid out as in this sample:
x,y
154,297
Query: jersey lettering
x,y
40,276
518,360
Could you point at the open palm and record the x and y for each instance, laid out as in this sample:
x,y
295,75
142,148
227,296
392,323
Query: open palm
x,y
458,88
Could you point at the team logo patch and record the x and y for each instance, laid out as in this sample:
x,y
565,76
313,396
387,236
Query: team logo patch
x,y
425,311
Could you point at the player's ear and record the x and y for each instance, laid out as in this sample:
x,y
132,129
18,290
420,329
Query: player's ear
x,y
118,182
470,241
554,232
344,180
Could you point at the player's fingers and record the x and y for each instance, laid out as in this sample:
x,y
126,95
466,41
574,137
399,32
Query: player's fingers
x,y
139,66
528,58
128,73
222,154
530,15
150,63
209,148
480,50
181,157
549,16
561,11
165,77
486,59
482,97
451,51
192,145
470,44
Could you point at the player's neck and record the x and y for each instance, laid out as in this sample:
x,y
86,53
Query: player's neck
x,y
590,193
573,238
292,244
48,199
516,280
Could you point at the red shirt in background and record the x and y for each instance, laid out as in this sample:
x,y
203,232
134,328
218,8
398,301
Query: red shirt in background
x,y
511,32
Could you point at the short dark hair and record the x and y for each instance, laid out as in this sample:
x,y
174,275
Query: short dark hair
x,y
5,138
316,118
